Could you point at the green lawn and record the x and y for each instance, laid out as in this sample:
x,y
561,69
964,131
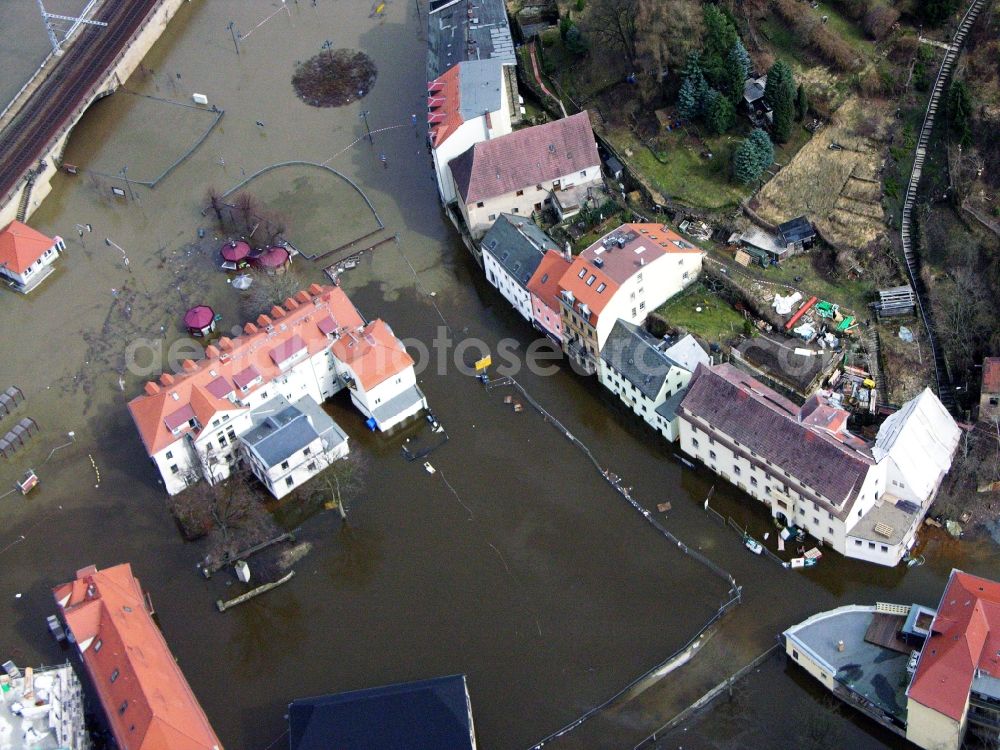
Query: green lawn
x,y
847,30
699,311
686,176
852,295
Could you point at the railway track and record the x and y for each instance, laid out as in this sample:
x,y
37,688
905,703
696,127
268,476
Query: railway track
x,y
66,89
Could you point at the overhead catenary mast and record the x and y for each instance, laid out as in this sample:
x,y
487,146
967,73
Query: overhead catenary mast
x,y
77,20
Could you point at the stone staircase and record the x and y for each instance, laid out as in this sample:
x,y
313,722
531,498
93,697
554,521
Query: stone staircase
x,y
22,207
945,390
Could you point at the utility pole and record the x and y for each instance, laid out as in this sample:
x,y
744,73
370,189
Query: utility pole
x,y
232,30
111,243
128,185
364,116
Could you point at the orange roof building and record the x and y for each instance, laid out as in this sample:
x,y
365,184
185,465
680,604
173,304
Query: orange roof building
x,y
625,275
468,103
27,255
956,684
148,703
544,289
310,347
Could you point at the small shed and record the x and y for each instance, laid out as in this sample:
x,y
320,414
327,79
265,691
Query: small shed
x,y
797,234
200,320
614,168
753,100
756,240
899,300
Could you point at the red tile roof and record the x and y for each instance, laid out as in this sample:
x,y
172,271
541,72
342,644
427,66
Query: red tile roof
x,y
611,263
965,636
443,103
525,158
374,354
20,246
544,283
991,375
148,702
241,360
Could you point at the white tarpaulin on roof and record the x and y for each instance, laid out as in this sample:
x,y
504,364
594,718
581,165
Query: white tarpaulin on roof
x,y
921,438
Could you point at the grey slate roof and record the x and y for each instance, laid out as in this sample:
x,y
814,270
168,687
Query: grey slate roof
x,y
517,245
753,89
289,428
480,87
639,358
668,409
766,423
398,403
459,30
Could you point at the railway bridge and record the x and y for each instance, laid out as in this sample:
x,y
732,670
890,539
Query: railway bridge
x,y
35,128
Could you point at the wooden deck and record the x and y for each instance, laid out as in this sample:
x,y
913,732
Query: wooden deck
x,y
884,631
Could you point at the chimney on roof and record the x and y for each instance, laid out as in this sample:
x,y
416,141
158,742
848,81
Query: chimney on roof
x,y
302,296
226,344
315,289
166,379
211,351
250,329
263,321
290,304
189,365
151,388
277,312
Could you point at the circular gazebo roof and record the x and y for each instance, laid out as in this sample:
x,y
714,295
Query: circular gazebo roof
x,y
199,317
235,251
273,257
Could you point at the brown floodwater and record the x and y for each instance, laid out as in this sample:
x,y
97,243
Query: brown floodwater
x,y
514,564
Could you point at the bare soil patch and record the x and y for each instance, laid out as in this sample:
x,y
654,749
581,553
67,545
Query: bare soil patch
x,y
836,188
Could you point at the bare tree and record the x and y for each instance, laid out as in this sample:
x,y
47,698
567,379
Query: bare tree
x,y
247,212
214,202
272,227
338,482
963,323
612,26
268,290
230,513
667,30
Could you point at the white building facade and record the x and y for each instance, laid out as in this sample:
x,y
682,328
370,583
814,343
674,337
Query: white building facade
x,y
512,251
519,173
468,104
804,465
192,423
649,375
625,275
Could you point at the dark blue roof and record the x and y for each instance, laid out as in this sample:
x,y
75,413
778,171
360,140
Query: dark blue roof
x,y
427,715
796,230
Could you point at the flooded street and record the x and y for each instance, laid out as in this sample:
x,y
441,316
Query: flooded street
x,y
515,564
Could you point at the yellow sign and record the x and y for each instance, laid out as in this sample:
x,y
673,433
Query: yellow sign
x,y
483,363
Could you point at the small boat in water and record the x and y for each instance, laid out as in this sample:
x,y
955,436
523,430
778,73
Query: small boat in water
x,y
753,545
